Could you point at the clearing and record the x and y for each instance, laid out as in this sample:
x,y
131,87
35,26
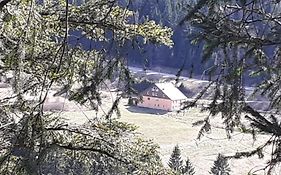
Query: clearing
x,y
169,129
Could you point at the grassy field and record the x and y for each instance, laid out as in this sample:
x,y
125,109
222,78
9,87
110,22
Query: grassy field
x,y
169,129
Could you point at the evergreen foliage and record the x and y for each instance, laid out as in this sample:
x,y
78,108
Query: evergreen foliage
x,y
168,13
221,166
188,168
175,161
242,39
41,47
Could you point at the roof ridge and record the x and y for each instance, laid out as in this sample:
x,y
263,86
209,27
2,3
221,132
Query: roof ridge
x,y
170,90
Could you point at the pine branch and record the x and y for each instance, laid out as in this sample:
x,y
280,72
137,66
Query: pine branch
x,y
3,3
77,148
262,123
195,9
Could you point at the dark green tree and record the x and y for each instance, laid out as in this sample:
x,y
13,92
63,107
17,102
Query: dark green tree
x,y
175,161
188,168
41,47
242,43
220,166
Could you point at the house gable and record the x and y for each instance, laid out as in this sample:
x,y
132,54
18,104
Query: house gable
x,y
154,91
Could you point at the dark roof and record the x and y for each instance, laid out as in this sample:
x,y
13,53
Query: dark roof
x,y
187,92
142,86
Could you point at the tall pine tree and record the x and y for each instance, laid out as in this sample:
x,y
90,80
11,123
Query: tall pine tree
x,y
221,167
175,161
243,40
42,51
188,169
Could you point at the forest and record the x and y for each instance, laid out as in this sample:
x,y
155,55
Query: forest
x,y
76,47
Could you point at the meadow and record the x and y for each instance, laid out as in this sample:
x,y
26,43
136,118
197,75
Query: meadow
x,y
170,128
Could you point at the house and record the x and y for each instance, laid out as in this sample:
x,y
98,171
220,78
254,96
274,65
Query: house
x,y
165,96
140,87
136,90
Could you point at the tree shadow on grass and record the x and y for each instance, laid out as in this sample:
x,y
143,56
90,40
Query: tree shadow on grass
x,y
143,110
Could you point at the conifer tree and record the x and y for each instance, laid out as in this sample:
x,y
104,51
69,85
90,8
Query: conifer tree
x,y
175,161
221,167
188,169
241,33
42,51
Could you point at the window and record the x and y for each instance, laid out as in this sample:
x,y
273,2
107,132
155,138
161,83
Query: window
x,y
154,89
158,105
